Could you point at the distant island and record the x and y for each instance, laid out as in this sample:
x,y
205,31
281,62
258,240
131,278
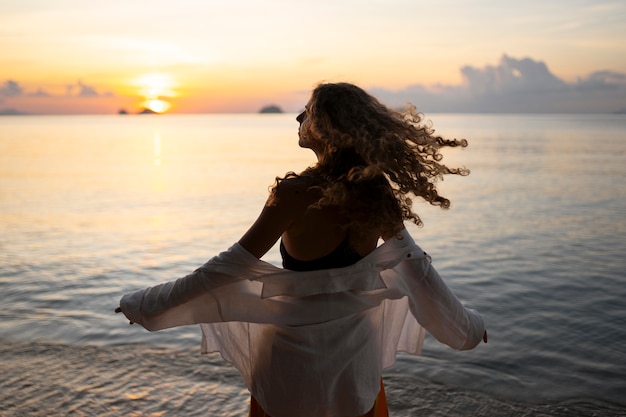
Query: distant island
x,y
147,111
142,111
271,109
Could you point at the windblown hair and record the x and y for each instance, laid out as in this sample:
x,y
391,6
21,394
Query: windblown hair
x,y
374,159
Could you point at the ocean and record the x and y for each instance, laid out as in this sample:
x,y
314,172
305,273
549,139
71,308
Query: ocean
x,y
92,207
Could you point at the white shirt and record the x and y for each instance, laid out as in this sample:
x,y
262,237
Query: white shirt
x,y
312,343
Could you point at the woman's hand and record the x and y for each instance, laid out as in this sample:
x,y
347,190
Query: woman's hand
x,y
119,310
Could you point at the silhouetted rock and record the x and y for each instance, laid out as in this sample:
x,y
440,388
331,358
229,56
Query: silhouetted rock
x,y
271,109
147,111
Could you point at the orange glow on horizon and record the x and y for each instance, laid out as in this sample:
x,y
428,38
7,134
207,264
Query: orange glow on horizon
x,y
157,105
155,88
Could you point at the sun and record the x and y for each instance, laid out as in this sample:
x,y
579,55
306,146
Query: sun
x,y
157,105
156,87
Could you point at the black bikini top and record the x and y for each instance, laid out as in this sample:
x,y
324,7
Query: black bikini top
x,y
342,256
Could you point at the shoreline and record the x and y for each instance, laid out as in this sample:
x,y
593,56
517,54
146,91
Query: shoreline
x,y
55,379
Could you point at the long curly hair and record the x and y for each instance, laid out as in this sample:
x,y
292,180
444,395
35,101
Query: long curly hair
x,y
374,159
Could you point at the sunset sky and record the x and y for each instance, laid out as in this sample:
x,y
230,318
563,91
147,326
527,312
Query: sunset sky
x,y
81,56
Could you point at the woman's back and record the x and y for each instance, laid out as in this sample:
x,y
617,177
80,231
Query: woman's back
x,y
314,232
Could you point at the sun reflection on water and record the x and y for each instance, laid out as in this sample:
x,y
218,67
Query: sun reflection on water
x,y
156,139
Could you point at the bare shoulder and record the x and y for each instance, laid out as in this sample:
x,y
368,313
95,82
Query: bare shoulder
x,y
292,184
295,191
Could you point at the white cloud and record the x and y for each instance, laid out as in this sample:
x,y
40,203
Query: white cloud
x,y
511,75
516,85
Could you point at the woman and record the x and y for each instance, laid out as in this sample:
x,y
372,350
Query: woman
x,y
313,338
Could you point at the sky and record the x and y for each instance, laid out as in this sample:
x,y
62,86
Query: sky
x,y
196,56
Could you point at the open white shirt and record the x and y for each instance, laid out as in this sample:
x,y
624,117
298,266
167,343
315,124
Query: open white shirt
x,y
312,343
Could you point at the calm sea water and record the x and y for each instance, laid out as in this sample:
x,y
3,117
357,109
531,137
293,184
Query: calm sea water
x,y
95,206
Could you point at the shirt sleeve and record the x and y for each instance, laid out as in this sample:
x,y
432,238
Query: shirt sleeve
x,y
192,299
436,307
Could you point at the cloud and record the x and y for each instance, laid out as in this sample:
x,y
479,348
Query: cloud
x,y
511,75
75,98
11,88
516,85
603,80
85,90
511,86
39,93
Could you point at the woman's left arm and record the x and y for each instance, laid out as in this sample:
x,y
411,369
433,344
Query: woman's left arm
x,y
275,218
